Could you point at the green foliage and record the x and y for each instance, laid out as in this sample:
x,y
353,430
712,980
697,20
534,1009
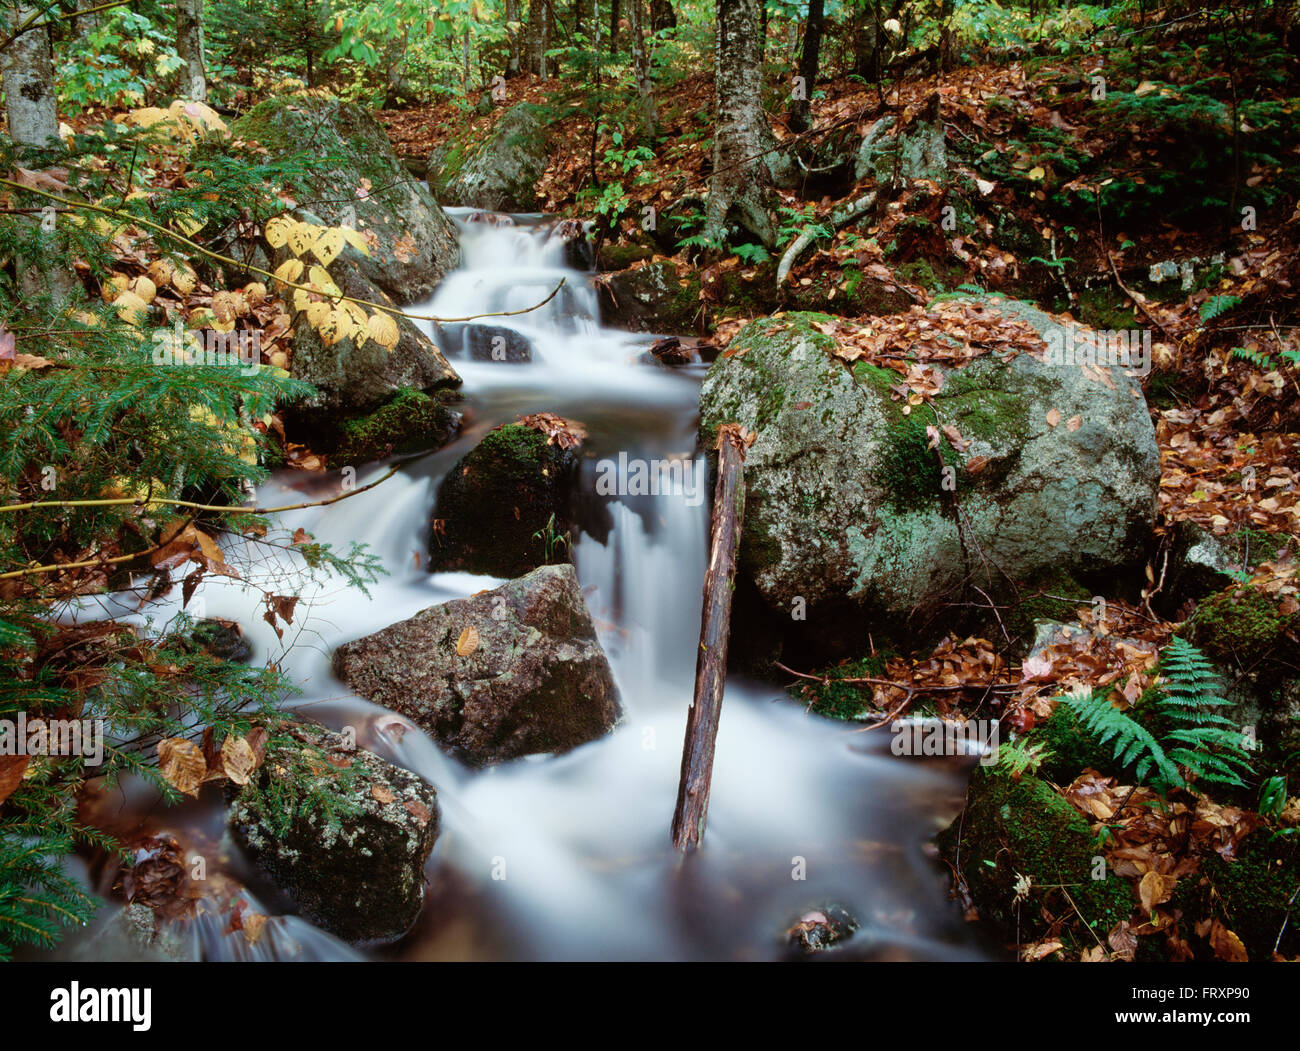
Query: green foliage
x,y
105,418
1217,305
300,780
134,58
1272,796
1206,745
1021,756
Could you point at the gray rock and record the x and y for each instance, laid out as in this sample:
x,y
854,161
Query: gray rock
x,y
535,681
891,159
650,298
361,876
1198,566
356,179
500,174
469,339
846,505
816,930
353,379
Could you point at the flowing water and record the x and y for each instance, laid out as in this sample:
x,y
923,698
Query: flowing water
x,y
569,857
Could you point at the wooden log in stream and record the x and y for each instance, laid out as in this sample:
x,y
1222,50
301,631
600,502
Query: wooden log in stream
x,y
715,629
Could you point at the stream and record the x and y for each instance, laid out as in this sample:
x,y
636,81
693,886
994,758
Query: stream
x,y
568,857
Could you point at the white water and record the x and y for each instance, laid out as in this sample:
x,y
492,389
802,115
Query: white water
x,y
581,840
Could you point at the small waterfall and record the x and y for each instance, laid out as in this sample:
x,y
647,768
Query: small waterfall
x,y
569,857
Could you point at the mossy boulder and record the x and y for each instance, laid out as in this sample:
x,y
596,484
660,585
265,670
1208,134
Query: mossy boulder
x,y
848,508
653,298
504,509
1013,829
358,872
411,421
1256,892
531,678
354,378
354,178
499,174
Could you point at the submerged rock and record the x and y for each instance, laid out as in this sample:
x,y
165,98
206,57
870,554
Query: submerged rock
x,y
469,339
358,872
505,673
356,179
848,509
504,509
818,929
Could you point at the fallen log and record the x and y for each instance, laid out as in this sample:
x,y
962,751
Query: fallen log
x,y
715,628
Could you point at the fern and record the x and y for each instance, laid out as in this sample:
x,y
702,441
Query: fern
x,y
1255,357
1217,305
1201,744
1133,744
1208,744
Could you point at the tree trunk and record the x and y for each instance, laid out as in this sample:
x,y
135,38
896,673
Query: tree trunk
x,y
801,111
84,25
541,21
30,100
711,662
27,70
613,27
743,144
512,38
189,47
662,16
641,71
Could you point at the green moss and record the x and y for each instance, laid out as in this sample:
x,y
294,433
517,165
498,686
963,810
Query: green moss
x,y
920,272
496,506
1025,828
1072,748
844,700
1240,626
410,420
1255,891
908,469
1255,545
1103,309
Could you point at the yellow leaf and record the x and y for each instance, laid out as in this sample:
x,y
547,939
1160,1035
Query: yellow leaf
x,y
182,765
383,330
184,280
278,230
161,272
189,223
318,314
130,308
1035,173
224,307
320,277
301,237
468,642
289,271
238,759
356,240
328,245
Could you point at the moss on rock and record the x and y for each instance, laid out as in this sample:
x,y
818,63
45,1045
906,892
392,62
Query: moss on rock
x,y
1256,891
412,420
504,509
1241,627
1024,828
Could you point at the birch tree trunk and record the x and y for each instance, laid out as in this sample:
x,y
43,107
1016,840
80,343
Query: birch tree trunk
x,y
30,100
189,47
743,144
512,38
27,69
